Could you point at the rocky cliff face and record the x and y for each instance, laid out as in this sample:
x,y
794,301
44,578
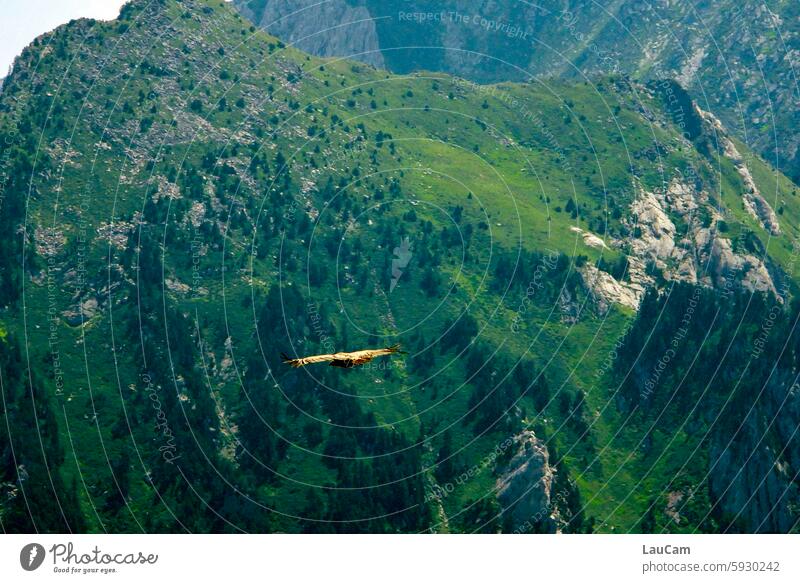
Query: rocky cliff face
x,y
703,255
525,485
681,232
327,29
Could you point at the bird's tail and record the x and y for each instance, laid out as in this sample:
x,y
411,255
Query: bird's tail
x,y
395,348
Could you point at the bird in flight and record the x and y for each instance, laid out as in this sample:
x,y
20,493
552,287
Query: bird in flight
x,y
344,359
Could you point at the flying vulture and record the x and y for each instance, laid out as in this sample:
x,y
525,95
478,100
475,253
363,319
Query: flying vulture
x,y
343,359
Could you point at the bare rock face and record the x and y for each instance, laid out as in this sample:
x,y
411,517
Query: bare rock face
x,y
525,484
83,312
654,240
328,29
702,255
657,238
607,290
755,204
726,264
589,239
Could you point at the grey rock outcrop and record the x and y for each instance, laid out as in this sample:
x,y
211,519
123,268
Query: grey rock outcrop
x,y
606,290
525,485
755,204
703,255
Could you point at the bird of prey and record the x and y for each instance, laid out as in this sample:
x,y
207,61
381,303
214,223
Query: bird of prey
x,y
344,359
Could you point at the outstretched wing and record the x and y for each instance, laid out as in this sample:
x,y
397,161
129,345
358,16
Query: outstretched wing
x,y
364,356
296,362
393,349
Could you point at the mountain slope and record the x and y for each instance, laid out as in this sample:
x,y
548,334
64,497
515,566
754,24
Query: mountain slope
x,y
737,59
189,198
